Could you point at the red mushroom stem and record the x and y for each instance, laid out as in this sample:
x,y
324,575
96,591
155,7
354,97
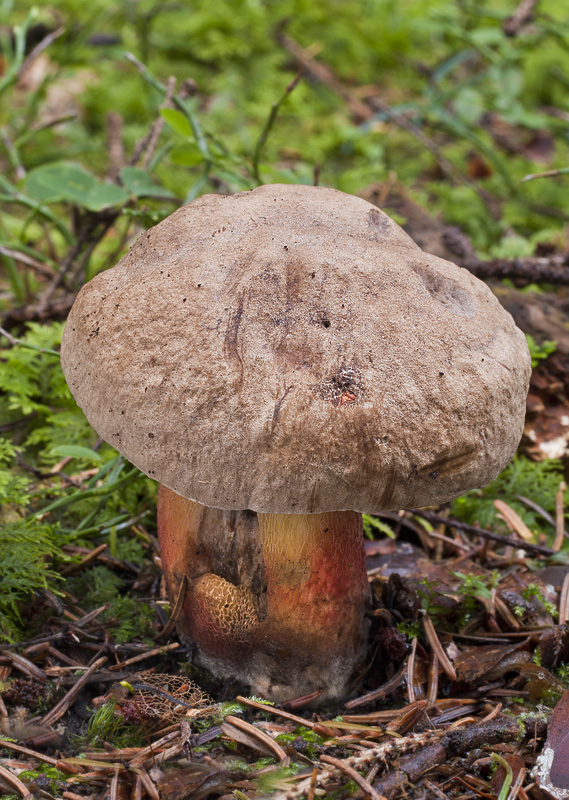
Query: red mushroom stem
x,y
279,603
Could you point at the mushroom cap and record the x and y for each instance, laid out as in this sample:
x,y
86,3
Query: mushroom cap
x,y
291,350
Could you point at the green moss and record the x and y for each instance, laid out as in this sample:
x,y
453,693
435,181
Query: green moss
x,y
537,481
107,725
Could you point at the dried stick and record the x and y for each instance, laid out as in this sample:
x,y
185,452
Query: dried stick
x,y
564,602
383,690
116,147
495,537
60,708
22,258
157,651
18,748
521,16
84,234
39,48
10,778
455,742
176,611
24,665
433,686
362,111
559,517
351,773
411,672
144,145
276,711
312,786
363,759
553,269
438,649
265,742
158,125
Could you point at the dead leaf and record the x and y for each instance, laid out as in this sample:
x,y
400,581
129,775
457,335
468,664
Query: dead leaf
x,y
197,781
552,767
489,661
540,682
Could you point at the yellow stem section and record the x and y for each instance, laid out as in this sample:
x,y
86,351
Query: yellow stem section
x,y
315,571
277,600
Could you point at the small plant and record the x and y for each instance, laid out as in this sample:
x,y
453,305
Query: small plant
x,y
107,725
50,777
127,616
429,595
533,590
474,589
539,352
373,526
537,481
29,549
562,672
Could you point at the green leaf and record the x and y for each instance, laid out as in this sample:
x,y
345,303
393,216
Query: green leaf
x,y
68,182
469,105
373,523
177,121
139,183
487,36
60,181
104,195
187,155
539,352
75,451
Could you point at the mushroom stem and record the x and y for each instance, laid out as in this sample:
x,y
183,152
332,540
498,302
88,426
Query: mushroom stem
x,y
275,600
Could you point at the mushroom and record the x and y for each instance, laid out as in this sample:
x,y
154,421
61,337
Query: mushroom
x,y
281,361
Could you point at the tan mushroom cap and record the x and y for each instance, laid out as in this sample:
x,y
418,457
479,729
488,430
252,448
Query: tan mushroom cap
x,y
290,349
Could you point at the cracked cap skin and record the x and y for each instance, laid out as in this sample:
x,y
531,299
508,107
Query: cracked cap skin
x,y
291,350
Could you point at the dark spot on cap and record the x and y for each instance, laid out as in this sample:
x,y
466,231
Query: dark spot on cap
x,y
345,386
378,223
446,291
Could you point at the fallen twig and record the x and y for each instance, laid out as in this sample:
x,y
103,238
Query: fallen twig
x,y
276,711
351,773
437,648
520,17
24,665
39,48
388,687
157,651
10,778
553,269
455,742
176,611
64,704
363,759
495,537
241,731
559,517
43,268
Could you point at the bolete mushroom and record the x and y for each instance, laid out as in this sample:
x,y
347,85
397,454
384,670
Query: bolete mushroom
x,y
282,360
